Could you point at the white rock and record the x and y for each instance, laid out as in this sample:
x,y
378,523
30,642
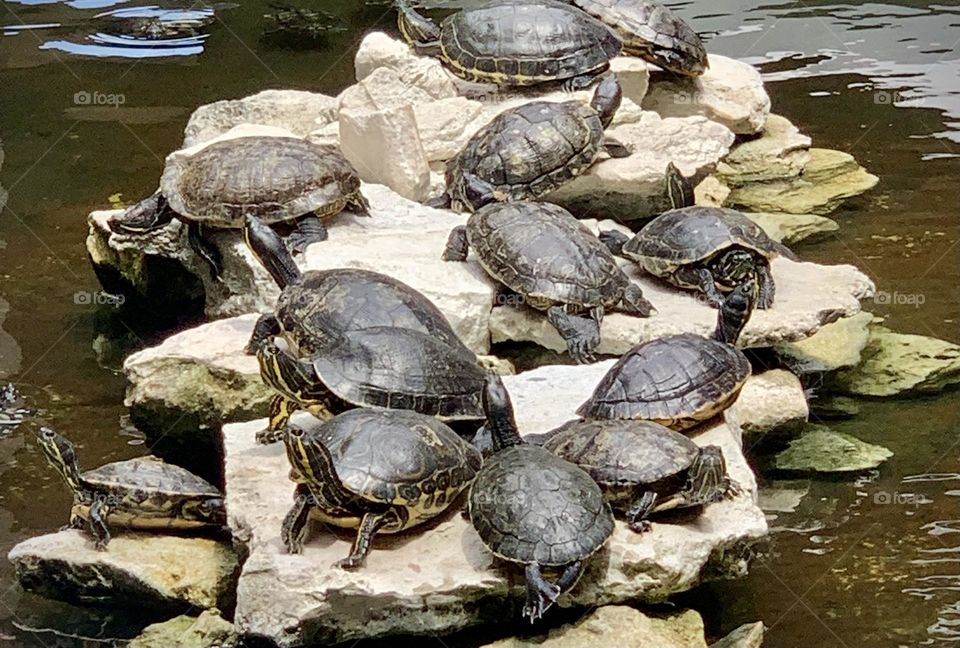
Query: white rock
x,y
439,579
379,50
446,125
294,110
781,151
778,386
729,92
633,75
383,89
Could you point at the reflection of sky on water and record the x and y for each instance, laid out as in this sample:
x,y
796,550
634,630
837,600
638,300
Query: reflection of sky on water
x,y
76,4
107,45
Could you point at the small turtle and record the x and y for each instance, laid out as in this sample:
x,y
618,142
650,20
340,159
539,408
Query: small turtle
x,y
378,367
546,255
374,471
533,508
679,380
318,307
643,467
276,179
710,249
142,493
528,151
515,42
652,32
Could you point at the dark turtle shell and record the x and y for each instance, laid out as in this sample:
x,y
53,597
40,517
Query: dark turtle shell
x,y
529,505
678,381
542,252
274,178
514,42
652,32
148,475
399,457
691,235
318,310
397,368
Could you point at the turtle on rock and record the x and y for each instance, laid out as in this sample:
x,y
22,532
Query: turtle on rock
x,y
532,508
275,179
515,42
544,254
528,151
679,380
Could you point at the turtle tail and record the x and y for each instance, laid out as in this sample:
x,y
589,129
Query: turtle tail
x,y
268,247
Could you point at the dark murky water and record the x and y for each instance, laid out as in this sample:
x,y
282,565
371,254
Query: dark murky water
x,y
91,104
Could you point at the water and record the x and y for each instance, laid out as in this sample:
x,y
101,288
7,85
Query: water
x,y
88,110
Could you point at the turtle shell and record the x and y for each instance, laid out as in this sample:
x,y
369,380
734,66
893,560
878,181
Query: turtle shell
x,y
691,235
529,505
542,252
274,178
325,304
528,151
514,42
652,32
399,457
677,380
399,368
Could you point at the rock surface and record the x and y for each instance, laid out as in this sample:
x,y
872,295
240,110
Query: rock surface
x,y
834,346
138,570
793,228
820,449
781,387
898,364
780,152
441,579
209,630
749,635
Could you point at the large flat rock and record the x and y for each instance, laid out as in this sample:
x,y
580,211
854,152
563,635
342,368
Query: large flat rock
x,y
440,579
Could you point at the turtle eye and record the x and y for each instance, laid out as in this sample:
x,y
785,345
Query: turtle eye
x,y
47,433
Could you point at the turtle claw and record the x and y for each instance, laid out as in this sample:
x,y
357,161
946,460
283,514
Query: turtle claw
x,y
640,526
268,436
539,601
349,563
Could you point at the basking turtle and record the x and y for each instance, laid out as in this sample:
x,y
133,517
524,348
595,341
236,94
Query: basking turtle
x,y
379,367
528,151
275,179
515,42
374,471
643,467
318,307
679,380
533,508
143,493
710,249
546,255
652,32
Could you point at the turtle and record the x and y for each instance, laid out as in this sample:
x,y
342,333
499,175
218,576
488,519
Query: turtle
x,y
643,467
710,249
377,471
378,367
141,493
549,258
316,308
515,42
652,32
679,380
276,179
535,509
528,151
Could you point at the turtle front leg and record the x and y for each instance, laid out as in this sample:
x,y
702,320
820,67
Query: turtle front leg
x,y
308,229
294,527
703,279
266,327
634,303
205,250
281,408
371,523
457,245
640,509
99,510
614,240
582,334
541,594
359,205
581,82
768,289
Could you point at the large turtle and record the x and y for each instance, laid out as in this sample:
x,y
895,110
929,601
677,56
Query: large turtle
x,y
544,254
679,380
643,467
317,308
528,151
375,471
142,493
533,508
378,367
710,249
652,32
276,179
515,42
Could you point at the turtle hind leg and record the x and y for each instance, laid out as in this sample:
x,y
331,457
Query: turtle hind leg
x,y
616,149
205,250
640,509
614,240
457,245
266,327
541,594
294,527
571,574
307,229
582,334
581,82
634,303
371,523
703,279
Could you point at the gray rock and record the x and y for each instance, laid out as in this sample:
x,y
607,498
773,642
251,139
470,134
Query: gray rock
x,y
780,152
793,228
209,630
782,496
820,449
749,635
835,346
781,387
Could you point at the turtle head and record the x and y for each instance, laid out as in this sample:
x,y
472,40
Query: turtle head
x,y
209,510
416,29
61,454
679,188
707,479
476,192
607,98
501,423
735,266
735,312
149,214
309,458
270,250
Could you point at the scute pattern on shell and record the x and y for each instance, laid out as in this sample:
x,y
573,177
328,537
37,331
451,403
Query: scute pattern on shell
x,y
148,475
528,505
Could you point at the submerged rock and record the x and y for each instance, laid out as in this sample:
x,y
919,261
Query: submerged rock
x,y
209,630
749,635
782,496
820,449
835,346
